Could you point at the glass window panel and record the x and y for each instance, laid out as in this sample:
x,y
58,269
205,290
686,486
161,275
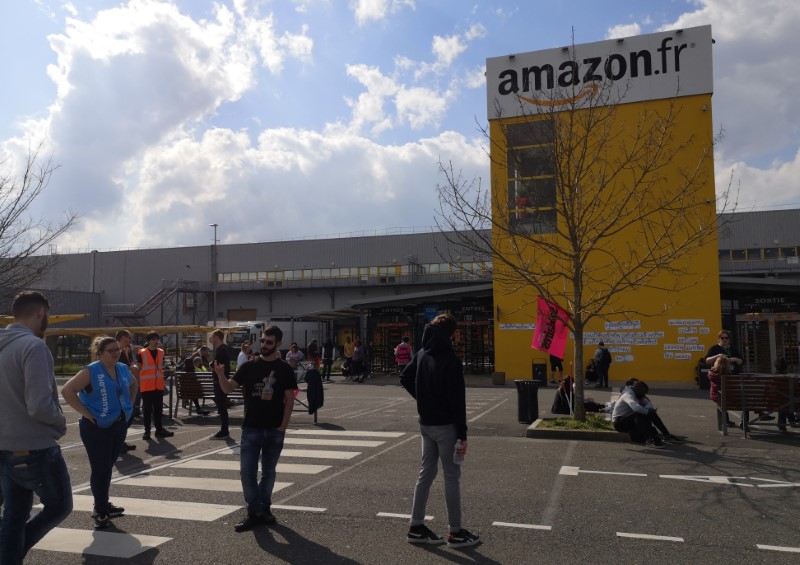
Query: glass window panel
x,y
288,275
754,254
262,275
405,270
738,254
724,254
306,273
770,253
530,133
226,277
788,252
432,268
530,162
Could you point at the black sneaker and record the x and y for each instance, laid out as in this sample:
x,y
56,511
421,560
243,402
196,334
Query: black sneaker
x,y
268,518
462,538
126,447
164,433
101,521
655,442
113,511
146,436
251,521
675,439
222,434
422,534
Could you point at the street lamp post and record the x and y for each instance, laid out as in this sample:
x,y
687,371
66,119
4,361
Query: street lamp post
x,y
214,273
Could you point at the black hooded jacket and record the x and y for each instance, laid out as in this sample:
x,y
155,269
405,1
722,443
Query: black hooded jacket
x,y
435,377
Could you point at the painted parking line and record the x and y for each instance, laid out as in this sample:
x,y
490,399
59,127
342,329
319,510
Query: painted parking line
x,y
778,548
403,516
191,483
524,526
573,471
228,465
332,442
308,453
648,536
104,544
172,509
345,433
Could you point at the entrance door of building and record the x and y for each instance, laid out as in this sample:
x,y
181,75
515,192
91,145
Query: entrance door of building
x,y
766,338
473,343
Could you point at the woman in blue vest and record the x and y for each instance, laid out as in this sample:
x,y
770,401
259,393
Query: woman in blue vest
x,y
101,392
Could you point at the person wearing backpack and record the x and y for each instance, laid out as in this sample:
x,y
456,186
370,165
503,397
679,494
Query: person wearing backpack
x,y
602,361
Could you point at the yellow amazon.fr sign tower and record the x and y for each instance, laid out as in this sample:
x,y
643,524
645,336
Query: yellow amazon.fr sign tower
x,y
603,201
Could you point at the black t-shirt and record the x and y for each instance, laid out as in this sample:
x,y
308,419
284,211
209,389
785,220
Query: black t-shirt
x,y
222,354
264,414
729,351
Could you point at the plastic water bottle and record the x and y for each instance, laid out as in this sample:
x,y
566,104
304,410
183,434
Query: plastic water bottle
x,y
458,458
266,392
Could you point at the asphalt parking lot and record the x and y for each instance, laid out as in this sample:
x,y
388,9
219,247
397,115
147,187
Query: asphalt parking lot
x,y
345,488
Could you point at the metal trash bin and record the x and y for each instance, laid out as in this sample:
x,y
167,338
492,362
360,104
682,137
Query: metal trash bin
x,y
702,376
539,373
527,401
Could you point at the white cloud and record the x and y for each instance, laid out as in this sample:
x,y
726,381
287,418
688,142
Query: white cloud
x,y
758,188
446,49
623,30
373,10
755,90
134,80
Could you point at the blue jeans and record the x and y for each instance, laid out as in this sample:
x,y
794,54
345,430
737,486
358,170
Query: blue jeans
x,y
103,446
266,445
438,443
43,472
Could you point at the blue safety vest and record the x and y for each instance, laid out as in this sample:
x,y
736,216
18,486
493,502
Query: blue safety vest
x,y
109,398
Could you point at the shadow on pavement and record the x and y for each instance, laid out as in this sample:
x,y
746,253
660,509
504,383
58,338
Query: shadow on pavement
x,y
295,548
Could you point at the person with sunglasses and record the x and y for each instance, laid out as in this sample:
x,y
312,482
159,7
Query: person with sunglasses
x,y
101,392
269,386
724,348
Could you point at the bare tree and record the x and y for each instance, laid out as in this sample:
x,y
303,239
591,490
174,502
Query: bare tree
x,y
584,181
23,237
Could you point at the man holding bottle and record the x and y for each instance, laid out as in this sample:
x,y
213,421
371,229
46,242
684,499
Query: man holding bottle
x,y
269,385
435,378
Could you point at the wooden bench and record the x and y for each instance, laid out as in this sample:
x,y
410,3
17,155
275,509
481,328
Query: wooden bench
x,y
758,393
197,386
200,386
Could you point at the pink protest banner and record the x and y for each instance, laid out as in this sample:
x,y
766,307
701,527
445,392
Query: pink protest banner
x,y
551,331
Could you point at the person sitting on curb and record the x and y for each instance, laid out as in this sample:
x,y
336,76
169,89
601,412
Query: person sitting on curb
x,y
657,421
630,417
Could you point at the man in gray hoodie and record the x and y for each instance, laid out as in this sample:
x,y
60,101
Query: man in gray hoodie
x,y
31,423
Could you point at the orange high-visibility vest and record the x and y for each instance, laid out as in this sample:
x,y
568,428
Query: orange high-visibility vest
x,y
151,375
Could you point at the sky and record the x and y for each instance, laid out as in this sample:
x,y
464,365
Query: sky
x,y
298,118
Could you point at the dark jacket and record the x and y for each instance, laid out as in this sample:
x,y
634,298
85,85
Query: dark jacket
x,y
435,377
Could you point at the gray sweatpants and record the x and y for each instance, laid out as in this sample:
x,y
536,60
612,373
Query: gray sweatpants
x,y
438,443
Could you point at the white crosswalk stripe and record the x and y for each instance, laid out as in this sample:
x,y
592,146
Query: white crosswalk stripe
x,y
172,509
228,465
193,483
103,544
127,545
